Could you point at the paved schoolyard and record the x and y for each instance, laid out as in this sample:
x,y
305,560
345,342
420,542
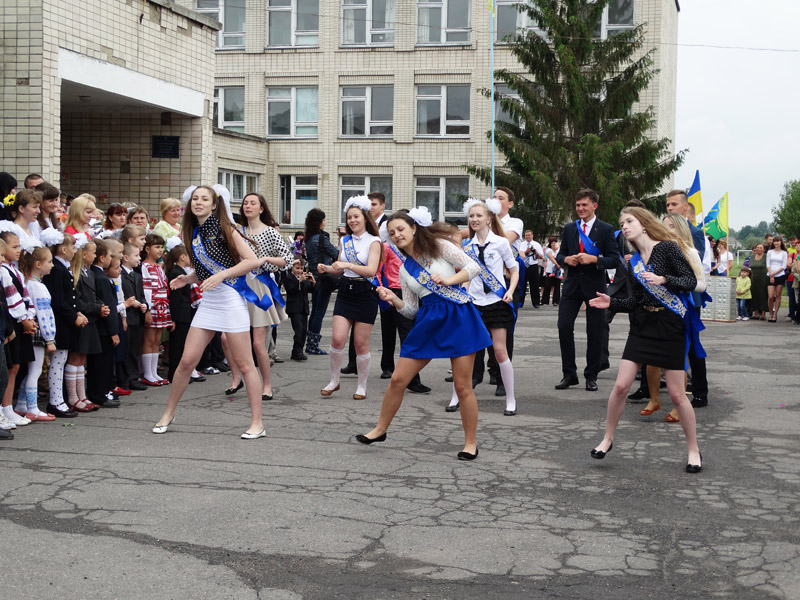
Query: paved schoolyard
x,y
101,508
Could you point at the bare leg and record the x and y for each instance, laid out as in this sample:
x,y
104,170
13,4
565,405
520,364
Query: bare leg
x,y
770,298
262,355
462,380
404,372
777,302
616,401
677,393
242,354
196,342
236,377
653,386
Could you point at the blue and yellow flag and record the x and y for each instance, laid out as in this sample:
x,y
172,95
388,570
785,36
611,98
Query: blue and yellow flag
x,y
695,197
716,223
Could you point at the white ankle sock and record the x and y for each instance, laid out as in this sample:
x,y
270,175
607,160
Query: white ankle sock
x,y
336,357
507,373
362,368
454,397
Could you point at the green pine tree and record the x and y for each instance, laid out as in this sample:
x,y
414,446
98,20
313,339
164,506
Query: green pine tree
x,y
572,126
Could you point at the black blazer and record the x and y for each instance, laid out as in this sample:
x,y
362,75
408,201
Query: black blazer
x,y
62,294
107,294
584,281
296,294
132,286
180,300
621,286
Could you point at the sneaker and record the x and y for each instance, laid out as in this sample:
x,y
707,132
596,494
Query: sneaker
x,y
745,318
276,358
211,371
17,420
738,318
5,423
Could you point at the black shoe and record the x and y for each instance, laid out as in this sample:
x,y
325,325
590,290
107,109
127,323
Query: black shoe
x,y
467,456
222,367
535,306
418,388
365,440
138,386
509,413
492,379
298,357
386,375
475,383
61,414
567,382
265,397
500,392
232,390
452,408
348,370
591,385
639,394
108,402
5,434
690,468
198,379
599,453
699,401
449,379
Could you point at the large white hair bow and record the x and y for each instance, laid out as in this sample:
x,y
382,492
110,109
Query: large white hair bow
x,y
29,243
493,204
81,239
51,237
220,190
172,242
10,227
421,216
361,202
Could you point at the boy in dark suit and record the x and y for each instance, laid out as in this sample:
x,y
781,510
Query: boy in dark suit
x,y
298,284
132,288
587,252
99,367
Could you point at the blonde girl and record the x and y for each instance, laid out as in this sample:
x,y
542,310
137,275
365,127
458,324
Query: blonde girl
x,y
81,211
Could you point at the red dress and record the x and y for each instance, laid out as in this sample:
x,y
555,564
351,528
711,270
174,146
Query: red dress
x,y
155,291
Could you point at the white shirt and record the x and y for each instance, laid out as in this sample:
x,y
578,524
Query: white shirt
x,y
589,224
725,259
532,258
497,253
362,244
708,256
511,224
383,232
776,262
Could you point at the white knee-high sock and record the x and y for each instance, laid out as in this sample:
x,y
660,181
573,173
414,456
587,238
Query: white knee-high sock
x,y
507,373
55,377
362,368
336,364
80,382
454,397
70,376
147,367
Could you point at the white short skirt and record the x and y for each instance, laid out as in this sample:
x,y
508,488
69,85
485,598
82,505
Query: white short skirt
x,y
222,309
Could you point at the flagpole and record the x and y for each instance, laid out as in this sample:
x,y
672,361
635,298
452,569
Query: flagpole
x,y
491,79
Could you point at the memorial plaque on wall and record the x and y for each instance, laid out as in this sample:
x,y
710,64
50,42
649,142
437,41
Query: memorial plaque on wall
x,y
166,146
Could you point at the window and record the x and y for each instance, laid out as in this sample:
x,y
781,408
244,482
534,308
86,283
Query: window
x,y
292,112
443,21
231,14
367,22
293,23
444,197
499,113
360,185
298,195
231,117
367,111
617,18
239,184
510,19
434,101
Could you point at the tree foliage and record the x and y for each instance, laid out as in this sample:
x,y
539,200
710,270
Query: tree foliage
x,y
572,126
787,213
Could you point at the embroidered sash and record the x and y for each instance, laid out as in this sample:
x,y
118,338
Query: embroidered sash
x,y
352,257
487,276
681,304
237,283
423,277
264,277
588,244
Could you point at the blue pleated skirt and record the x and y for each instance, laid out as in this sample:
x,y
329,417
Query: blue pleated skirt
x,y
444,329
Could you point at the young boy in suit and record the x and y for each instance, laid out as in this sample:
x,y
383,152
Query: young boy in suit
x,y
298,284
99,367
132,288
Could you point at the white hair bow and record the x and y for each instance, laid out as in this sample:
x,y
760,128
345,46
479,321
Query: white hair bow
x,y
10,227
494,205
172,242
220,190
51,237
469,204
29,243
361,202
421,216
81,239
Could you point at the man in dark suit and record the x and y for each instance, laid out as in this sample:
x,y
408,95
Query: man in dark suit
x,y
678,203
587,252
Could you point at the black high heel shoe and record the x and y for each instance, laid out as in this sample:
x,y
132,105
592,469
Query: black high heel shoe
x,y
690,468
365,440
233,390
599,454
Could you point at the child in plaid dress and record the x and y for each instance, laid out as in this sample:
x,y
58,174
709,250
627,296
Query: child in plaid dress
x,y
159,318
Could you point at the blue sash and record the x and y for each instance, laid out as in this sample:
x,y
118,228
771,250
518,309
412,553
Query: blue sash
x,y
423,277
681,304
352,257
487,276
588,244
274,288
237,283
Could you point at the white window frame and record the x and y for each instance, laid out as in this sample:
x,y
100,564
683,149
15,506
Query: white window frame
x,y
295,187
370,32
223,35
497,106
605,28
362,190
249,182
524,22
454,216
444,6
292,9
443,122
294,123
368,122
219,109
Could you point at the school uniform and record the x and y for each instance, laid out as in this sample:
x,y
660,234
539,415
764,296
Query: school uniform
x,y
88,339
100,366
132,286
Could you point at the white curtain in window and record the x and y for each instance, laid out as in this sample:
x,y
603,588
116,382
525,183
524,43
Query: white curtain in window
x,y
429,25
306,111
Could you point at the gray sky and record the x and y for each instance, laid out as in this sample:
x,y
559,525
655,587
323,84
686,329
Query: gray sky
x,y
738,111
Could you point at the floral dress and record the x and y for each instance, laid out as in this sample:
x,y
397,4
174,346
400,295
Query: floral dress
x,y
155,291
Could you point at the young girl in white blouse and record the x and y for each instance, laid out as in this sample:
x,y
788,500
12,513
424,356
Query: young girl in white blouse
x,y
777,261
360,253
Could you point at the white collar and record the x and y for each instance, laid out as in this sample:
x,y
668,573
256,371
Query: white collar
x,y
589,224
126,269
490,237
63,262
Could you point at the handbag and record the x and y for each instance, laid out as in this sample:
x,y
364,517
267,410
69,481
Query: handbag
x,y
330,281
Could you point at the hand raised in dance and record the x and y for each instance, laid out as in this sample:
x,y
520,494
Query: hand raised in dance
x,y
602,301
385,294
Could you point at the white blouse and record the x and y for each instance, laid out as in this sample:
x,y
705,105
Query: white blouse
x,y
452,258
362,244
776,262
496,255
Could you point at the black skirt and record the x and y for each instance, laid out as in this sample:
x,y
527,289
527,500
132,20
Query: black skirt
x,y
356,300
87,340
19,350
657,339
497,315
